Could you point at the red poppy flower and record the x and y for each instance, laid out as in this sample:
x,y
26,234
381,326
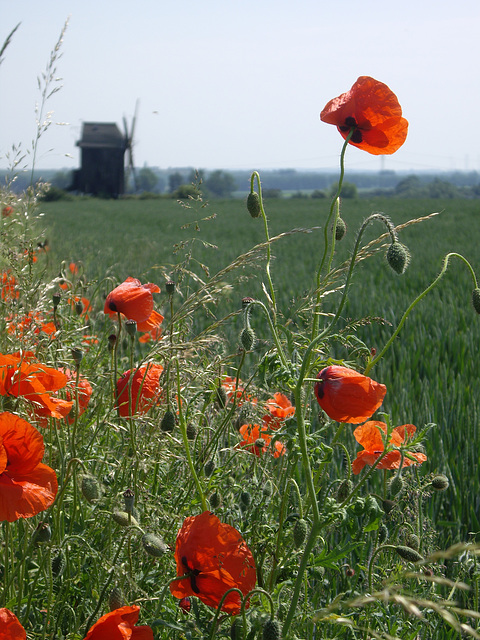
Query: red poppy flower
x,y
375,114
84,392
369,436
7,211
9,286
229,384
146,390
185,605
348,396
153,335
73,268
135,301
279,409
119,624
213,558
20,376
253,436
10,627
27,486
32,322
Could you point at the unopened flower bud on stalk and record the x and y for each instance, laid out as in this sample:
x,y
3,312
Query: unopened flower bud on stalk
x,y
440,482
253,204
79,307
115,599
154,545
168,421
77,355
340,229
398,257
408,554
476,299
247,338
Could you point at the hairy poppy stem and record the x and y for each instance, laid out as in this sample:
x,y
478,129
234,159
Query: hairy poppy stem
x,y
273,329
256,176
316,314
186,444
389,343
219,609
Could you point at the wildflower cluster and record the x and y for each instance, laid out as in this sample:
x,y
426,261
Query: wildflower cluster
x,y
151,472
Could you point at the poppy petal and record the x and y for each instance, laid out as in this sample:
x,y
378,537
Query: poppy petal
x,y
23,496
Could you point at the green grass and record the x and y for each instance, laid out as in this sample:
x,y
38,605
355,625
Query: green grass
x,y
432,371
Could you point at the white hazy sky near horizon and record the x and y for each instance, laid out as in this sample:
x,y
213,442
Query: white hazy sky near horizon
x,y
240,85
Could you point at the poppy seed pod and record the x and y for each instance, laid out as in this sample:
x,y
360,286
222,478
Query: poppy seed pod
x,y
129,500
170,287
154,545
408,554
131,327
77,355
116,599
476,299
272,630
398,257
253,204
56,299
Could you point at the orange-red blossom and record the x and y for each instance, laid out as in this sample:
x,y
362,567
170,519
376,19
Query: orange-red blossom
x,y
21,376
372,110
27,486
120,624
369,435
145,390
348,396
134,300
212,557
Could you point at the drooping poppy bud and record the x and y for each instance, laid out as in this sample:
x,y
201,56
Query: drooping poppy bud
x,y
253,204
408,554
168,421
300,530
476,299
247,338
398,257
340,229
440,483
90,488
272,630
154,545
116,599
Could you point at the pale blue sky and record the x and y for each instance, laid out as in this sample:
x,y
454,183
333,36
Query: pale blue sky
x,y
225,84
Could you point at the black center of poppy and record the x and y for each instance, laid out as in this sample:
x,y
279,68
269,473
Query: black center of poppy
x,y
319,389
192,574
350,122
112,306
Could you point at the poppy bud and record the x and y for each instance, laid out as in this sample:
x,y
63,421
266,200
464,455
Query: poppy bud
x,y
412,541
388,505
272,630
191,431
42,533
131,327
408,554
56,299
170,287
343,490
221,397
168,421
185,604
238,629
396,486
58,564
246,302
398,257
476,299
247,338
209,467
128,500
78,307
349,572
112,339
440,482
215,500
340,229
267,489
115,599
90,488
300,530
124,519
382,533
245,499
253,204
77,355
154,545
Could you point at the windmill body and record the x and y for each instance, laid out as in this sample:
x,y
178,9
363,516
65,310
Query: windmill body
x,y
102,171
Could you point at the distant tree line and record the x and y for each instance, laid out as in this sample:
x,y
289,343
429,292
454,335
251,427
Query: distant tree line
x,y
185,182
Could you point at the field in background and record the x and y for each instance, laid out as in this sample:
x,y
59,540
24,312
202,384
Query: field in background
x,y
433,374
